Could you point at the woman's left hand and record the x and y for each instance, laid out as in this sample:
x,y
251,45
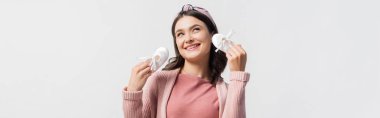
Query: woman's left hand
x,y
237,58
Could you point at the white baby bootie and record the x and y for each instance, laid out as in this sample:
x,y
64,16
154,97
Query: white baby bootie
x,y
222,42
158,58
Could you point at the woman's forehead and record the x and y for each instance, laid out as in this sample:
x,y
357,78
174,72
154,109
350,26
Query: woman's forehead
x,y
186,22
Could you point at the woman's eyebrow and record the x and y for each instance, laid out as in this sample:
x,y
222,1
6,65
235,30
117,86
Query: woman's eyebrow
x,y
177,31
191,27
194,26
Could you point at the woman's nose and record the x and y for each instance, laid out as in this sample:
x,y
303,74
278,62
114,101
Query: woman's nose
x,y
189,39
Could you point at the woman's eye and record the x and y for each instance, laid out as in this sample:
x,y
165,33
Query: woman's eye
x,y
179,34
196,29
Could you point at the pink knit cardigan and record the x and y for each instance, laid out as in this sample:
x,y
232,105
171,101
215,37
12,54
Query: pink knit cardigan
x,y
151,102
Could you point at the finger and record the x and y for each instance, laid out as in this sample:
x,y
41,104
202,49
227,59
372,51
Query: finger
x,y
228,55
143,65
240,48
146,76
148,60
145,71
234,52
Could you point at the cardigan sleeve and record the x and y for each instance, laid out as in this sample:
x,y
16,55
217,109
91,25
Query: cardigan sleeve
x,y
141,104
235,101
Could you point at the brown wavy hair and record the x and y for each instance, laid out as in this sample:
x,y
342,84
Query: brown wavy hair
x,y
217,61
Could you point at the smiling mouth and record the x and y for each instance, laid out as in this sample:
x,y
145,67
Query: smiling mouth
x,y
192,47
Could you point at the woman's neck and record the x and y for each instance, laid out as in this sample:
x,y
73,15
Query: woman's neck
x,y
199,69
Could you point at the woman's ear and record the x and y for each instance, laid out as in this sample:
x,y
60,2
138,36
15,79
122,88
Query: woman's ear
x,y
212,34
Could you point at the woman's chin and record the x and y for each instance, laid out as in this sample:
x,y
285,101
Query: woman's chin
x,y
193,57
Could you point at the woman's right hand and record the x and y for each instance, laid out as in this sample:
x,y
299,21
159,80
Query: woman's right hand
x,y
139,75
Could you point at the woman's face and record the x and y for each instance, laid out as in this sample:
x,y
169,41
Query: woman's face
x,y
193,39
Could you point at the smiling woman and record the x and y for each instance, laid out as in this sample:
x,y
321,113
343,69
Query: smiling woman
x,y
192,39
191,84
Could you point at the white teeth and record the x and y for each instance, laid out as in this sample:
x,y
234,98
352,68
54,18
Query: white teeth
x,y
192,47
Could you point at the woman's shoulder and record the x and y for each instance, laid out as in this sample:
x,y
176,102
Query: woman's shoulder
x,y
159,79
165,74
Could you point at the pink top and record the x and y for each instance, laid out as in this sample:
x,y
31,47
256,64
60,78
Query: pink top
x,y
192,97
151,102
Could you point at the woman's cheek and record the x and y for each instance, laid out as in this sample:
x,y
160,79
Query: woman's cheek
x,y
179,46
179,43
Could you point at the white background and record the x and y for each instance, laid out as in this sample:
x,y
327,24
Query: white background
x,y
307,59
